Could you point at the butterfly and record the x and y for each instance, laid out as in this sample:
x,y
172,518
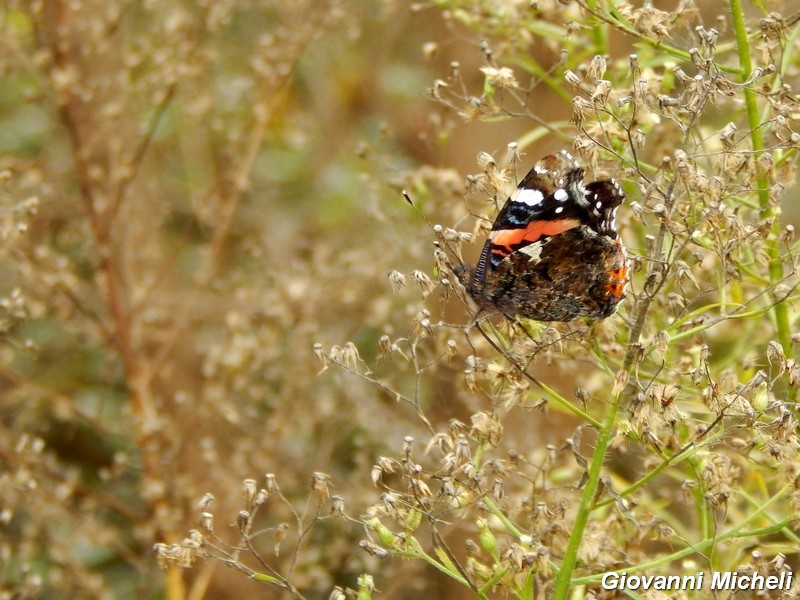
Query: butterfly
x,y
554,253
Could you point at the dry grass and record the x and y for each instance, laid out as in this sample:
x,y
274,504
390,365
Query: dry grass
x,y
222,333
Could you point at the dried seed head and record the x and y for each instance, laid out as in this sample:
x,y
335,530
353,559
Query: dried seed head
x,y
486,162
187,553
765,167
601,92
778,562
197,537
374,549
726,136
582,111
397,280
651,22
337,594
280,533
424,282
261,497
497,489
163,555
462,448
572,79
242,520
319,351
270,483
661,342
337,507
320,485
776,357
597,68
376,474
788,234
385,346
513,152
633,65
500,78
640,91
249,491
487,426
206,501
207,522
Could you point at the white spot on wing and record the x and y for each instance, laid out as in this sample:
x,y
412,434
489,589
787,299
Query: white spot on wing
x,y
528,196
532,250
561,194
559,210
598,205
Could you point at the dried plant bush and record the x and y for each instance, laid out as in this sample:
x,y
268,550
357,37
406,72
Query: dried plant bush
x,y
185,305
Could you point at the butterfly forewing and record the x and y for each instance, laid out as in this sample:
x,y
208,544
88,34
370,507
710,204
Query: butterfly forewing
x,y
549,200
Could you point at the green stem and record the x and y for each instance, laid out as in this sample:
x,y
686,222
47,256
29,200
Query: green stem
x,y
780,310
564,577
709,542
599,32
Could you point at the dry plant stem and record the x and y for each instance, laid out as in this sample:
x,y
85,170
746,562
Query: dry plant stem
x,y
391,391
280,581
781,311
303,532
112,268
271,97
229,202
110,263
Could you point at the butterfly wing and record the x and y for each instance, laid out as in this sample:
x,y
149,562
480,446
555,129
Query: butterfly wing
x,y
604,198
548,201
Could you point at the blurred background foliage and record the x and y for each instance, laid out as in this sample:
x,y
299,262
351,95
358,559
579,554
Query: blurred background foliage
x,y
193,195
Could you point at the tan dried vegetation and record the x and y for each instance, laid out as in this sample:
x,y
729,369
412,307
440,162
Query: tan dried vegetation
x,y
227,340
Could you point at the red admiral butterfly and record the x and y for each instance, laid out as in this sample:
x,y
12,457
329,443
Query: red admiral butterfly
x,y
553,253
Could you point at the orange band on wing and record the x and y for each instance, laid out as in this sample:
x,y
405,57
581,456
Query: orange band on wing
x,y
505,241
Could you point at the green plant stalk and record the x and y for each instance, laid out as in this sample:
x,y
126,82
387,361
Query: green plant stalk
x,y
705,521
564,577
708,542
527,590
780,311
687,453
793,538
552,82
449,570
621,23
599,32
487,587
551,393
500,515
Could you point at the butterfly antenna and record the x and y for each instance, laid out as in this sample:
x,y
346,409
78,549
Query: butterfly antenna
x,y
439,232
